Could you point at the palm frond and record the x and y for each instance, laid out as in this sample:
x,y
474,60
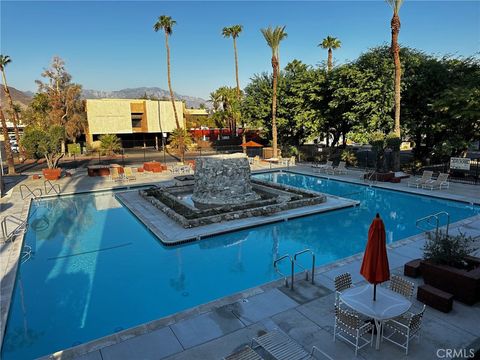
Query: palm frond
x,y
395,5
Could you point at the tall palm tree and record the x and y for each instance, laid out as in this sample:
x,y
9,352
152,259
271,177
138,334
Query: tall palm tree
x,y
8,148
166,23
330,43
233,32
4,61
273,36
395,49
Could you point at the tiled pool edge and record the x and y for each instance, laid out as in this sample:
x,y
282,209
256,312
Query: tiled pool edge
x,y
115,338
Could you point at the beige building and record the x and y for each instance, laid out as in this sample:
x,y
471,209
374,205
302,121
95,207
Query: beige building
x,y
134,121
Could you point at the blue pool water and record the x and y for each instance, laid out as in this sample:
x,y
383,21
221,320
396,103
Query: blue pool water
x,y
97,270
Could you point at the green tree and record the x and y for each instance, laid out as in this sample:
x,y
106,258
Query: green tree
x,y
4,61
6,142
226,107
273,37
180,137
110,143
330,43
39,142
166,23
395,48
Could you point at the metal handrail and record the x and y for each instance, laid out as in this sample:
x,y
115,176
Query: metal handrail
x,y
27,254
30,192
313,263
279,272
52,187
435,216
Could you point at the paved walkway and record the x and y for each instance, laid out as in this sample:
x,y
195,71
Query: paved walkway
x,y
213,330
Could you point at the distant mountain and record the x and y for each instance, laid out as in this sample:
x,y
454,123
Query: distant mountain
x,y
20,97
136,93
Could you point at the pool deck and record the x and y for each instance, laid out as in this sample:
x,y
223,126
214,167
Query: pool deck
x,y
216,329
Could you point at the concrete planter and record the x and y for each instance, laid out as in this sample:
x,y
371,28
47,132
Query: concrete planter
x,y
463,284
52,174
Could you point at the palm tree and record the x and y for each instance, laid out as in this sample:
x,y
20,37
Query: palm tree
x,y
330,43
395,48
273,36
6,141
233,32
4,61
166,23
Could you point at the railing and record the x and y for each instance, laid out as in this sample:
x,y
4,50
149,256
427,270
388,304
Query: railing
x,y
313,263
52,187
30,192
26,253
283,275
435,217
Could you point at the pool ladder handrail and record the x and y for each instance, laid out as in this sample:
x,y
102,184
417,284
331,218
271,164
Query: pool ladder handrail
x,y
302,267
369,177
435,216
287,256
30,192
26,254
53,187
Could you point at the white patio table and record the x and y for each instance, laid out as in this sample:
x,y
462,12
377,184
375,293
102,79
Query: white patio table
x,y
388,305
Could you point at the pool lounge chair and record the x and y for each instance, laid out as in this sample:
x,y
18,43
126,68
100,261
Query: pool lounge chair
x,y
323,167
340,169
281,347
115,174
128,173
441,182
247,353
426,176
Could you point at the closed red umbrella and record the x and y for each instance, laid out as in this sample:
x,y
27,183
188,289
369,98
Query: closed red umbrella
x,y
251,144
375,267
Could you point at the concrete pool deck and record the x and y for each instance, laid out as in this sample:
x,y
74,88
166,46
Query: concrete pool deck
x,y
216,329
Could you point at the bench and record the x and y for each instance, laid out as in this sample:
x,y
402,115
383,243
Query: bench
x,y
435,298
412,268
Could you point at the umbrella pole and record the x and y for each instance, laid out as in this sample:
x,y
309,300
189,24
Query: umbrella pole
x,y
374,292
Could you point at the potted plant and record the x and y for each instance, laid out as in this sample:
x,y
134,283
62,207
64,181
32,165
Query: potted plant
x,y
448,266
46,143
378,142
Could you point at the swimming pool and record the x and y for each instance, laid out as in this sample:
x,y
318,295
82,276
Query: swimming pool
x,y
97,270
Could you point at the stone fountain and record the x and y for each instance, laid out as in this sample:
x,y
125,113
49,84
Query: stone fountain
x,y
223,180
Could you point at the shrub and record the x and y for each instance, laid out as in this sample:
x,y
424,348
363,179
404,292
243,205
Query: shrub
x,y
38,143
349,157
448,250
393,142
109,143
177,134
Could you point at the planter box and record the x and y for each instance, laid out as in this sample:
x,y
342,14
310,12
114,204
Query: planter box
x,y
52,174
464,285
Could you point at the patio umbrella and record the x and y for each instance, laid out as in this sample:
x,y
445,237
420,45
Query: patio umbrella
x,y
251,144
375,267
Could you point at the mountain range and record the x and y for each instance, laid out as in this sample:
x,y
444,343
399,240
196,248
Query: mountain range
x,y
24,97
136,93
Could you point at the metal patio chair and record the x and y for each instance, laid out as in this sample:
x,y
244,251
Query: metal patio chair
x,y
406,326
402,286
342,282
350,328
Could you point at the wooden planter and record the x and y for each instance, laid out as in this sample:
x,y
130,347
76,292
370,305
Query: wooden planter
x,y
52,174
463,284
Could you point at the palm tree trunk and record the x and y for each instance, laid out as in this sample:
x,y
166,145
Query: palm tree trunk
x,y
12,108
274,105
172,98
236,78
330,62
8,149
395,25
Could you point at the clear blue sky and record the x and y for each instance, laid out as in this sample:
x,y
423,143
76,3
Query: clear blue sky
x,y
112,45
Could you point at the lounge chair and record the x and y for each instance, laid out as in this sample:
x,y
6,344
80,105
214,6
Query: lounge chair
x,y
426,176
340,169
115,174
293,160
247,353
281,347
352,329
128,173
402,286
441,182
323,167
407,326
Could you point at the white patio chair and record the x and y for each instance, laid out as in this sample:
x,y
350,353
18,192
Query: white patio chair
x,y
441,182
402,286
350,328
406,327
426,176
323,167
342,283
